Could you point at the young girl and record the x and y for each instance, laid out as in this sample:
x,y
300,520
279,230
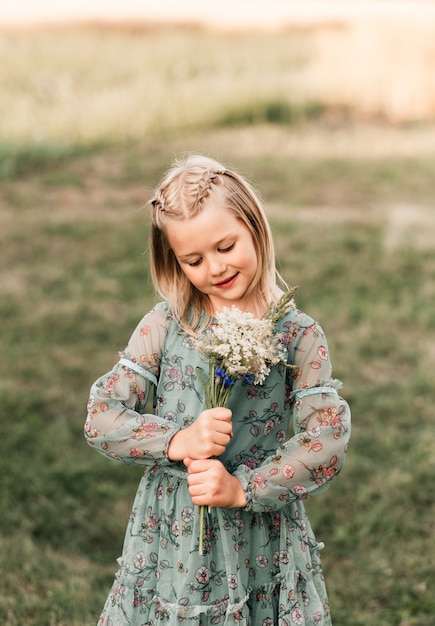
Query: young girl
x,y
211,248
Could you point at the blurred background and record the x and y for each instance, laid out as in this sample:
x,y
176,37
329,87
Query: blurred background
x,y
329,109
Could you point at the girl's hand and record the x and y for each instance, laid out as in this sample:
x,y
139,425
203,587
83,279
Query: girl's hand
x,y
211,485
208,436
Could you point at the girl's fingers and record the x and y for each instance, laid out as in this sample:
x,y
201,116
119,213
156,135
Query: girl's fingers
x,y
222,439
221,414
210,484
196,466
225,428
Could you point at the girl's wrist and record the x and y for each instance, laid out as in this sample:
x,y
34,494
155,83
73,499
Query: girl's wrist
x,y
176,449
240,499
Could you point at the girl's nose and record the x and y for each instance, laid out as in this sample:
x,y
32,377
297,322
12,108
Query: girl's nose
x,y
216,267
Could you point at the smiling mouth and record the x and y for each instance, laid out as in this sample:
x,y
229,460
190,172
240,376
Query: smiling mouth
x,y
227,282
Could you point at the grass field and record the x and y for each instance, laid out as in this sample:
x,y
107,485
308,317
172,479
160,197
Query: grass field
x,y
352,207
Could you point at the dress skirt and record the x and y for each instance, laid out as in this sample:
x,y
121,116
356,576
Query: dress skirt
x,y
258,569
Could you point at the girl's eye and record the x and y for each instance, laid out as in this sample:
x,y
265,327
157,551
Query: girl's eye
x,y
195,263
227,249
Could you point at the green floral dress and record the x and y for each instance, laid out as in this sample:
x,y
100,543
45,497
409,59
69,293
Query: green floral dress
x,y
261,564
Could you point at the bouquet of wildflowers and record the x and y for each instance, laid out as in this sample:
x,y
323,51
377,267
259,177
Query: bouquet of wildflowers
x,y
240,346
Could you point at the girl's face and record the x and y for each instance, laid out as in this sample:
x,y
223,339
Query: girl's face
x,y
216,252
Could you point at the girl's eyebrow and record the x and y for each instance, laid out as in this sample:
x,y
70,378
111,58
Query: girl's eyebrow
x,y
188,255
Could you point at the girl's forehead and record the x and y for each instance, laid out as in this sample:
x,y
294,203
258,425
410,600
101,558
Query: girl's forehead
x,y
210,226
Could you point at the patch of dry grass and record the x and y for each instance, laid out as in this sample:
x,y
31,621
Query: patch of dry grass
x,y
82,85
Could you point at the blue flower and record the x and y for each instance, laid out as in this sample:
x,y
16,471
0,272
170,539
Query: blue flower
x,y
222,377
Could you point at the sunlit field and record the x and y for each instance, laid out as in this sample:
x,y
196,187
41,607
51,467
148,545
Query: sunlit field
x,y
89,119
90,84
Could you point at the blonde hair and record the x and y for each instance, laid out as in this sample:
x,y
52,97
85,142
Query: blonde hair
x,y
181,195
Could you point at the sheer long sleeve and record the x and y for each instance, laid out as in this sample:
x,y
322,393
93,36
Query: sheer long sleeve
x,y
117,424
314,453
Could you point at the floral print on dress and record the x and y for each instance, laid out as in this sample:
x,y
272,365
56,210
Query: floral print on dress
x,y
261,564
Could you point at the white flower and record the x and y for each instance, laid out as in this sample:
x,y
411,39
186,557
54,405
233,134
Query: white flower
x,y
242,345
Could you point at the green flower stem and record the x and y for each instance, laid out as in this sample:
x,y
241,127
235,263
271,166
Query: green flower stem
x,y
216,394
201,529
